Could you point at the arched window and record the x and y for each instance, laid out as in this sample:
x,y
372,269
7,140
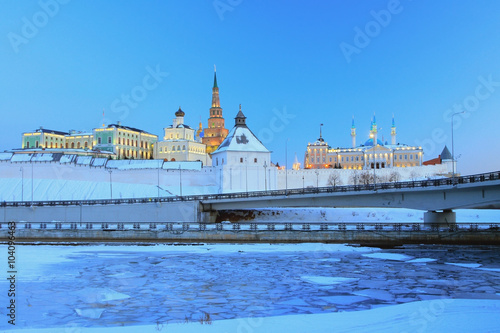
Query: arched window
x,y
78,145
173,148
184,148
73,145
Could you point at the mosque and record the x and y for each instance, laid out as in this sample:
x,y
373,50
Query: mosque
x,y
372,154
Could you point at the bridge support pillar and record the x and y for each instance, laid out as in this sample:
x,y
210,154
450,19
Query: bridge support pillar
x,y
445,217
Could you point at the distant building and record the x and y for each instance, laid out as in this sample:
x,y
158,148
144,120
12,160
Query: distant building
x,y
180,143
215,132
124,142
44,138
373,154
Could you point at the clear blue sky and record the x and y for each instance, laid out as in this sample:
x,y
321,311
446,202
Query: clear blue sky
x,y
306,60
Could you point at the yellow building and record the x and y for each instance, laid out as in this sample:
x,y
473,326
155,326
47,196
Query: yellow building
x,y
373,154
180,144
44,138
125,142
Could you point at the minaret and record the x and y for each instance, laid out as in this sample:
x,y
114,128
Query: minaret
x,y
393,132
374,130
215,132
353,133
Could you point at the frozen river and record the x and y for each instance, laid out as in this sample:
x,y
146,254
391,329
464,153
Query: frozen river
x,y
77,287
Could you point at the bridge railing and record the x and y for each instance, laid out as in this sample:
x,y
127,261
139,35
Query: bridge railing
x,y
271,193
179,227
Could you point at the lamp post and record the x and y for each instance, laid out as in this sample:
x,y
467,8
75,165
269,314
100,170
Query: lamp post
x,y
286,164
303,184
453,147
265,176
32,183
317,178
110,184
158,179
22,183
180,179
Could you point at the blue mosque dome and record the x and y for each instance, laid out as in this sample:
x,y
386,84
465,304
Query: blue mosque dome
x,y
369,142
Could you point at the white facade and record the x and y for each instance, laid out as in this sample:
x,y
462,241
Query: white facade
x,y
180,144
242,162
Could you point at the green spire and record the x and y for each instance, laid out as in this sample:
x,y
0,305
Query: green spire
x,y
215,78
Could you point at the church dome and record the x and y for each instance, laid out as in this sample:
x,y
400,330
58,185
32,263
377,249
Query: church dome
x,y
179,113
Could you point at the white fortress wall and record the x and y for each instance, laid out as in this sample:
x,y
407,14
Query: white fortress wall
x,y
313,177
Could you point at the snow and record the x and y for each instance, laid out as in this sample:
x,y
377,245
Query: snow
x,y
5,156
457,315
280,288
84,160
388,256
464,265
240,138
182,165
21,157
100,161
67,159
133,164
327,279
42,158
421,260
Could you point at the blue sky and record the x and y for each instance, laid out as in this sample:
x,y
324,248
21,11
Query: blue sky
x,y
291,64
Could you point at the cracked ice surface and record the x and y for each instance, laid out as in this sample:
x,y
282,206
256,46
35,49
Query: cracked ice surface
x,y
111,286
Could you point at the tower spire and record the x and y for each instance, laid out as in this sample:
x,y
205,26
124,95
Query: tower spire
x,y
215,93
393,131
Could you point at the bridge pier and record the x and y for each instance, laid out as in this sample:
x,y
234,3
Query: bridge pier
x,y
445,217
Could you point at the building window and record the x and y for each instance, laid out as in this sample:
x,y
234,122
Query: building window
x,y
178,148
86,144
78,145
241,159
119,141
173,148
255,160
27,144
73,145
109,139
411,157
406,157
98,142
357,158
184,148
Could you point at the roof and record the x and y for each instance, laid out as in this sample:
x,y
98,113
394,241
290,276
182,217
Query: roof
x,y
128,128
445,154
369,142
241,138
180,126
44,130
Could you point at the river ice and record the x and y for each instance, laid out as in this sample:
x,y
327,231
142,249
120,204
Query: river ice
x,y
265,287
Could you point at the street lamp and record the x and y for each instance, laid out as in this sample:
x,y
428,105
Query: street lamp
x,y
303,184
317,178
286,165
265,176
180,179
32,179
22,183
158,179
110,184
453,147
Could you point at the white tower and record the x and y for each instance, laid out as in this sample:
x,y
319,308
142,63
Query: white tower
x,y
393,132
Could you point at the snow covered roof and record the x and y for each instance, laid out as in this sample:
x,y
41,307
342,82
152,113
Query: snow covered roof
x,y
5,156
241,138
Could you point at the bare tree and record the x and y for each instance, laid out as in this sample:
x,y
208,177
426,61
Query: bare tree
x,y
366,177
334,179
394,176
413,176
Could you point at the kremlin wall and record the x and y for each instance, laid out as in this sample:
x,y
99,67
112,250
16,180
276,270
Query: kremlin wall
x,y
118,161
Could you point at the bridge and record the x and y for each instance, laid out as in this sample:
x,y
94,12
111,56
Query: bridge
x,y
437,197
